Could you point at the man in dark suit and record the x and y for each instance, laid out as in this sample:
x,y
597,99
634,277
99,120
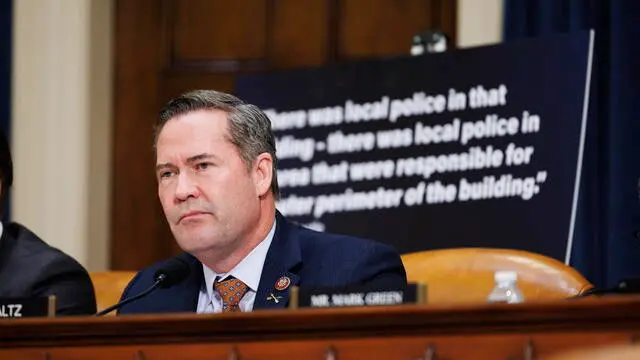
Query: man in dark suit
x,y
216,172
31,268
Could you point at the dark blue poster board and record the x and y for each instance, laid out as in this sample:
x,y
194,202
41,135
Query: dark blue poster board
x,y
472,148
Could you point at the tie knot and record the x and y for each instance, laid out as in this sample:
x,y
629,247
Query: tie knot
x,y
231,291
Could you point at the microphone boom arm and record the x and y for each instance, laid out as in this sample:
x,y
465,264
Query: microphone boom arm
x,y
155,285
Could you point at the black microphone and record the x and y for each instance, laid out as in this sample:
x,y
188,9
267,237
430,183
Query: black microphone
x,y
172,272
627,286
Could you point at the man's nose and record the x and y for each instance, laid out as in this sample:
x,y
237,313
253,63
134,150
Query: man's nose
x,y
186,187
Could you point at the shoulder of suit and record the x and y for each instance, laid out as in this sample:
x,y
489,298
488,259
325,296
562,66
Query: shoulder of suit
x,y
25,242
27,247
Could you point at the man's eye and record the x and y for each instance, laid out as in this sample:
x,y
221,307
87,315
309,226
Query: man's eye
x,y
202,166
166,174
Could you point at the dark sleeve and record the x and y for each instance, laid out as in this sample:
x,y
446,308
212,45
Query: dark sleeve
x,y
65,278
380,268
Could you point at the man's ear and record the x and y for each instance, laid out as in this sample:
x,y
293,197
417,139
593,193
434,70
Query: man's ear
x,y
263,173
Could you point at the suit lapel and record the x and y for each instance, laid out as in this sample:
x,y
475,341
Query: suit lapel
x,y
183,297
7,242
280,269
273,297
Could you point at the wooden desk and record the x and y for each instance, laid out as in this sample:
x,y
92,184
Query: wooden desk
x,y
522,331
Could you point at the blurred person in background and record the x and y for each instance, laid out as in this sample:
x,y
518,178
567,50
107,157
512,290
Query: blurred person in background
x,y
31,268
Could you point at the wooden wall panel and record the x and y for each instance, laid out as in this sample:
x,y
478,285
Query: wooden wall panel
x,y
138,58
166,47
444,18
301,35
372,28
219,29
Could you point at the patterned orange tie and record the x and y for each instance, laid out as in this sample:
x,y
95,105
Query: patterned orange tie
x,y
231,291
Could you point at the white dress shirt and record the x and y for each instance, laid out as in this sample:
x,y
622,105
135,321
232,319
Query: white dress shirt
x,y
249,271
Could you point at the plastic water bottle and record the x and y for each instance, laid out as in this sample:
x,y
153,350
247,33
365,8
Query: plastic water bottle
x,y
506,289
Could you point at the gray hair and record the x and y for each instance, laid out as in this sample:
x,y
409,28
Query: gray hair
x,y
249,127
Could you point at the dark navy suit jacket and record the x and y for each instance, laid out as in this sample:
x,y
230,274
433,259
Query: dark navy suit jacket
x,y
29,267
308,258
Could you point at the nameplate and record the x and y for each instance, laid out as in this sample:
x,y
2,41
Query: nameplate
x,y
354,296
27,307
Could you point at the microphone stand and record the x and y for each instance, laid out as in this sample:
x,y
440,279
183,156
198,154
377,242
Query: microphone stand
x,y
155,285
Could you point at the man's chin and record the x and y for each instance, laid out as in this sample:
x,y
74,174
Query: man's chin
x,y
196,246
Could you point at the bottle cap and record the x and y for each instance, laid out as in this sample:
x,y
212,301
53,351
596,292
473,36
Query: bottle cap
x,y
505,276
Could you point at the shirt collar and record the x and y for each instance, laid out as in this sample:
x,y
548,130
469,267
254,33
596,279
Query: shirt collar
x,y
248,270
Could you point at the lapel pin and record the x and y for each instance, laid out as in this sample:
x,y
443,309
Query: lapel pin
x,y
275,298
283,283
